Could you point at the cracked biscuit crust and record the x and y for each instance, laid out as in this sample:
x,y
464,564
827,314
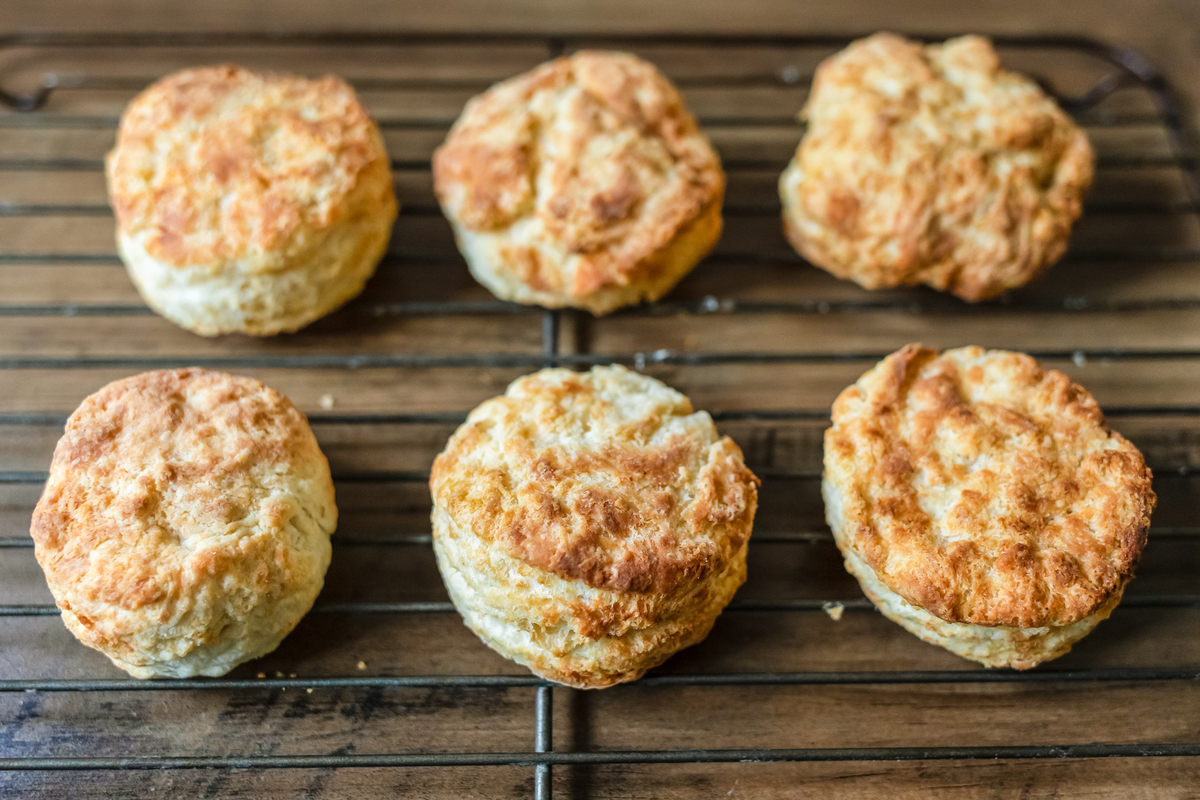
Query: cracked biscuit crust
x,y
985,490
185,524
582,183
932,165
589,525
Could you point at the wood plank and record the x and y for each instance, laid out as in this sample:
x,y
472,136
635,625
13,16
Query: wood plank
x,y
150,336
1103,779
366,721
393,389
480,783
878,332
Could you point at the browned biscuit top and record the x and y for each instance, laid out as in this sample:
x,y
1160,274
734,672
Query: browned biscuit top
x,y
932,164
985,489
596,149
177,493
608,477
220,162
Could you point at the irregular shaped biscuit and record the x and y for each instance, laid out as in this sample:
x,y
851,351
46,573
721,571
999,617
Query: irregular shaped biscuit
x,y
982,502
582,183
932,165
185,525
249,203
590,525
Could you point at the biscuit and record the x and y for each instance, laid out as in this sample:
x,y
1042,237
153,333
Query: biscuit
x,y
982,502
932,165
584,183
249,203
590,525
185,525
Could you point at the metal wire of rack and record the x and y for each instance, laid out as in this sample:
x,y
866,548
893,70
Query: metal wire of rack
x,y
1129,70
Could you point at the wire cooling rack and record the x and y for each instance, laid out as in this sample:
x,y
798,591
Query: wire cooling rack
x,y
1120,90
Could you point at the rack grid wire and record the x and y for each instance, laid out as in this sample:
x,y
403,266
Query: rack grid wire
x,y
1126,71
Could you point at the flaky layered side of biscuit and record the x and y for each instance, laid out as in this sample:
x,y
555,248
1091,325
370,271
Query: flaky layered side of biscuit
x,y
185,524
249,203
990,645
933,165
566,630
982,502
590,525
584,183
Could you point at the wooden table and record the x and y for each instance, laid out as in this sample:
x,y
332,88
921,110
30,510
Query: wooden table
x,y
386,379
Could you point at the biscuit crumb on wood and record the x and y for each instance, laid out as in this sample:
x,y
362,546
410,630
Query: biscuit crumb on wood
x,y
834,610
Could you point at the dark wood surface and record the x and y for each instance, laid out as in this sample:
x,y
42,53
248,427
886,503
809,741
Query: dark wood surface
x,y
1091,303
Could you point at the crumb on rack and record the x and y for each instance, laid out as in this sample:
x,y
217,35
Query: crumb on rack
x,y
362,665
834,610
326,401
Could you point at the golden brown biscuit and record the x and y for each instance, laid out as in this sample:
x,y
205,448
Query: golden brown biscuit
x,y
933,165
185,525
982,502
590,525
249,203
582,183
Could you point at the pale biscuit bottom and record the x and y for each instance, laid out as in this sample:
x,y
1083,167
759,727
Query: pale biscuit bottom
x,y
528,615
655,276
992,646
262,295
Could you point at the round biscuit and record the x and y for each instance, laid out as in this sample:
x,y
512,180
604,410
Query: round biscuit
x,y
249,203
584,183
589,525
185,524
983,503
933,165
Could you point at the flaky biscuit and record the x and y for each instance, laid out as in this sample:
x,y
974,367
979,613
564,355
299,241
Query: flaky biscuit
x,y
185,525
590,525
583,183
251,203
982,502
932,165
